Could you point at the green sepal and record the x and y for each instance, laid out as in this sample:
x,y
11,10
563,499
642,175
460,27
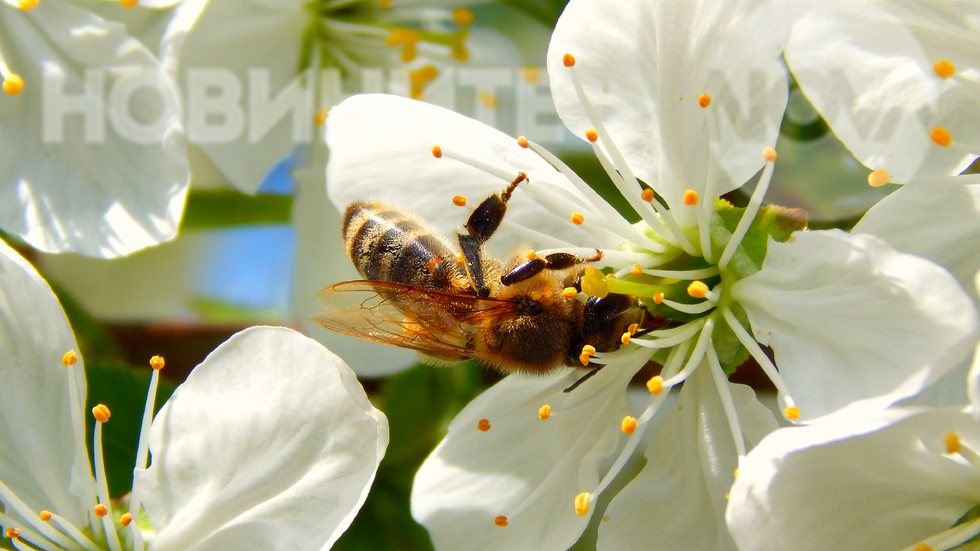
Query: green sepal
x,y
731,352
777,222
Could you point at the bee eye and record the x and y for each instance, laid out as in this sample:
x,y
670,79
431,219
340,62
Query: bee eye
x,y
530,307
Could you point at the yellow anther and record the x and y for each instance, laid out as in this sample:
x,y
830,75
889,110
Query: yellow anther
x,y
127,3
13,533
544,412
690,197
611,276
463,16
647,195
879,178
792,412
13,84
500,521
522,141
735,473
101,413
569,292
100,510
436,151
321,116
407,38
568,60
157,362
458,45
704,100
656,384
637,270
488,99
125,519
577,218
629,424
69,358
941,136
697,289
592,135
459,201
625,339
728,496
45,515
952,443
769,154
588,350
419,78
632,328
531,74
27,4
483,425
594,283
658,298
582,503
944,68
584,359
923,547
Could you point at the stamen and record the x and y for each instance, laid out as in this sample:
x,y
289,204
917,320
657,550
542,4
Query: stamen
x,y
522,141
101,413
702,273
792,413
437,152
14,503
419,78
656,384
952,538
658,298
73,533
941,136
750,211
569,292
321,116
459,201
125,519
488,99
952,443
577,218
625,339
647,195
483,425
691,198
697,289
769,154
507,175
724,392
584,359
544,412
127,3
27,4
756,352
13,533
944,68
13,84
735,473
704,100
100,510
698,308
637,270
632,328
463,16
408,39
500,521
582,503
879,178
697,355
45,515
69,358
628,424
568,60
591,135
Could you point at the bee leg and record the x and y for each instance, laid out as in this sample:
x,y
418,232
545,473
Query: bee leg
x,y
473,262
582,379
480,226
554,261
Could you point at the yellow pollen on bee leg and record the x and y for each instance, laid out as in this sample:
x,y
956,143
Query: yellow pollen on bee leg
x,y
592,135
584,359
632,328
625,339
656,384
577,219
522,141
101,413
463,16
792,412
127,3
500,521
100,510
483,425
27,4
944,68
923,547
13,533
697,289
647,195
628,425
13,84
952,443
569,292
544,412
690,197
531,255
588,350
941,136
704,100
531,74
45,515
69,358
568,60
769,154
637,270
125,519
157,362
658,298
879,178
437,152
321,116
459,201
582,503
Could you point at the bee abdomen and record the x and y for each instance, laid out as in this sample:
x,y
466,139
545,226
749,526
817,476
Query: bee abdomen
x,y
387,244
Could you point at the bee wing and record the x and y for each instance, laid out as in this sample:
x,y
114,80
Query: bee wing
x,y
432,322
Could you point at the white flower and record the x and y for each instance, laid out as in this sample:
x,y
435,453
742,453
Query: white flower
x,y
94,155
693,114
269,444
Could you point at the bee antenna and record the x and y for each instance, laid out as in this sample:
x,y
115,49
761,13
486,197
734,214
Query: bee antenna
x,y
581,380
521,177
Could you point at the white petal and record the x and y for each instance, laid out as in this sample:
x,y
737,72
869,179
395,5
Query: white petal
x,y
849,318
381,150
867,66
851,483
973,377
644,80
473,476
270,444
945,215
36,437
116,195
678,501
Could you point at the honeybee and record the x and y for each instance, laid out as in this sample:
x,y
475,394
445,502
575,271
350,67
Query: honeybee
x,y
453,305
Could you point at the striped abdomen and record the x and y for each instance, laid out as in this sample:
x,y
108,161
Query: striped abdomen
x,y
387,244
